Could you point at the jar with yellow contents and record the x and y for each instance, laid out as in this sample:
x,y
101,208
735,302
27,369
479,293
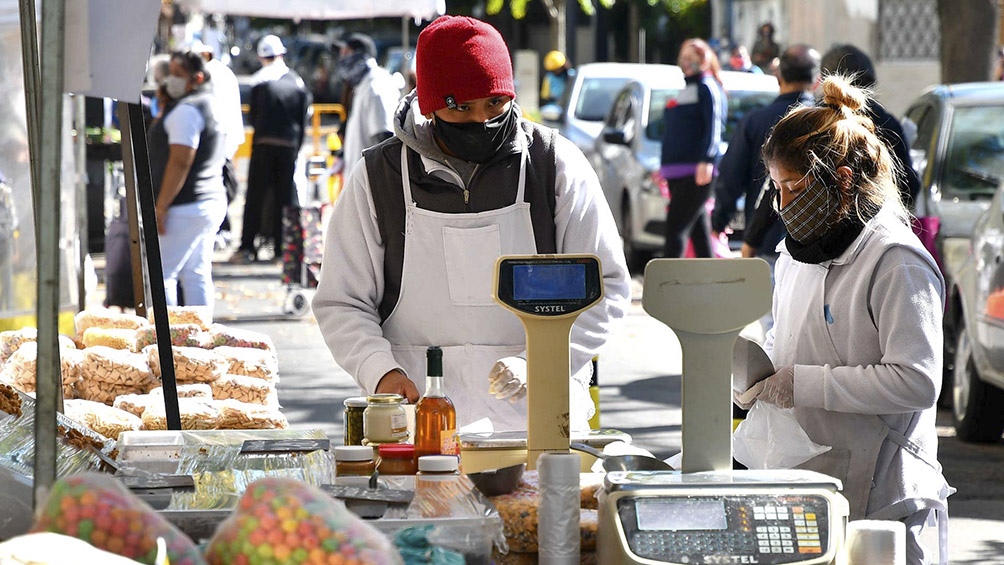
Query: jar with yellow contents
x,y
384,420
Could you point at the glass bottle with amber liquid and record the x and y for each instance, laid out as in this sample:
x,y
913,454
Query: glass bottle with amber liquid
x,y
435,416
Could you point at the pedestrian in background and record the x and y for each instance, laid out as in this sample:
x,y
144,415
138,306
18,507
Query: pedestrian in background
x,y
558,75
187,152
742,172
410,251
374,99
279,110
765,49
694,123
857,306
739,60
228,95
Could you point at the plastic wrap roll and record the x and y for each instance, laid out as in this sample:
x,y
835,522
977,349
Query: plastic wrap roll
x,y
876,542
558,520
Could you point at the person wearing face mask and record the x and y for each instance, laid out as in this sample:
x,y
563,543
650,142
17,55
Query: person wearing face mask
x,y
858,303
411,247
187,153
374,98
694,123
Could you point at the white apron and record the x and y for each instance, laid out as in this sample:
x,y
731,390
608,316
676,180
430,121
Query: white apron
x,y
446,300
854,454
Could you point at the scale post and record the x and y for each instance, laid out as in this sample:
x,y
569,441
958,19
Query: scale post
x,y
707,302
547,293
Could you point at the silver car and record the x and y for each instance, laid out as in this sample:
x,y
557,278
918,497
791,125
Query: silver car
x,y
957,148
580,118
628,152
959,153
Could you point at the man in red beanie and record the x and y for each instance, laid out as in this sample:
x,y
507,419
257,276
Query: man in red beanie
x,y
410,251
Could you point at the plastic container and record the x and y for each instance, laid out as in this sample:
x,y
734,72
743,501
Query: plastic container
x,y
397,459
354,461
433,465
384,420
353,419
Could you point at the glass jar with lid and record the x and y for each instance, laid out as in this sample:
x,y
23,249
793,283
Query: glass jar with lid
x,y
397,459
353,420
384,420
354,460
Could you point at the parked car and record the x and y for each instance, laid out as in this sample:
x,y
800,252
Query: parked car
x,y
580,115
958,152
628,151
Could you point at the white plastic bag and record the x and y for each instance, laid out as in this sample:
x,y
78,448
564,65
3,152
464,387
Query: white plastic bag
x,y
771,438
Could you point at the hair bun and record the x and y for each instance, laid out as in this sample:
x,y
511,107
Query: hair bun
x,y
839,93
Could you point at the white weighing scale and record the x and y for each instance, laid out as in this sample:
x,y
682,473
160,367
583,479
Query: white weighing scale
x,y
710,513
547,293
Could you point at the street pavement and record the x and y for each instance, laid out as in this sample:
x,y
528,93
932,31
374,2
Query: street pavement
x,y
640,394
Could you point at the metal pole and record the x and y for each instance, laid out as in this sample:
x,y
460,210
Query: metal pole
x,y
80,152
137,153
32,86
48,381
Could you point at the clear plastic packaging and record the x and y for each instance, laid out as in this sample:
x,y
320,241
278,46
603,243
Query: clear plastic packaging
x,y
191,364
220,335
244,389
103,419
250,362
116,338
182,335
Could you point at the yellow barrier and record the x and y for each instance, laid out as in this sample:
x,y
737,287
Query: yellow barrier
x,y
316,129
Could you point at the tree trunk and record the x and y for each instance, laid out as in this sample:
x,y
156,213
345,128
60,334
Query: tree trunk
x,y
969,36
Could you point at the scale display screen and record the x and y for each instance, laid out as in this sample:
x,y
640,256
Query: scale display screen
x,y
549,285
549,282
661,515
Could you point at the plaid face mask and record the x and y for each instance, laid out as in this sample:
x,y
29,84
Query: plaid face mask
x,y
810,214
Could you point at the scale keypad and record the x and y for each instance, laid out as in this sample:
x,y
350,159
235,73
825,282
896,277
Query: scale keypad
x,y
770,529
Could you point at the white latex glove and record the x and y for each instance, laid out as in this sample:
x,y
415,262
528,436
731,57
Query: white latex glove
x,y
745,400
507,379
779,388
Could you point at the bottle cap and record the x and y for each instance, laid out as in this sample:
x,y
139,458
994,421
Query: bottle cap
x,y
434,359
356,402
438,463
397,450
353,453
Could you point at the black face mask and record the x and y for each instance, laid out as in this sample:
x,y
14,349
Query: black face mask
x,y
352,68
477,142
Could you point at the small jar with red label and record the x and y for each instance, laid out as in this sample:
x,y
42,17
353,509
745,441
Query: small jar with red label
x,y
397,459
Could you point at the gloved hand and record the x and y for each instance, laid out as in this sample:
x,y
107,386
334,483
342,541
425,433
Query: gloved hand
x,y
779,388
507,378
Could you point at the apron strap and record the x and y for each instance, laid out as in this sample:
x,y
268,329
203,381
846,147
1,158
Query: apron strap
x,y
912,448
940,511
409,201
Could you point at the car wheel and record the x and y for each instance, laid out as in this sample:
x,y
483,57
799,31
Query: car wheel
x,y
978,407
636,258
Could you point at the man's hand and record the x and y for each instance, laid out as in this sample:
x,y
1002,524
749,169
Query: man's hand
x,y
748,250
161,220
507,378
395,382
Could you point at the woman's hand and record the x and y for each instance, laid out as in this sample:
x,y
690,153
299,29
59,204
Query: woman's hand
x,y
702,175
161,220
395,382
779,388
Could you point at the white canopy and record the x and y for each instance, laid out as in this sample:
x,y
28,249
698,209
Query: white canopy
x,y
322,9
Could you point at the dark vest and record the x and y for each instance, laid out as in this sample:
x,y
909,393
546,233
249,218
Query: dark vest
x,y
204,180
493,186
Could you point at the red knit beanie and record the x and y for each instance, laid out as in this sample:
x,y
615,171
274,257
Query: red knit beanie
x,y
459,59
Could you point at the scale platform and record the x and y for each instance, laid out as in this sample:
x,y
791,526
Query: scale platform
x,y
764,517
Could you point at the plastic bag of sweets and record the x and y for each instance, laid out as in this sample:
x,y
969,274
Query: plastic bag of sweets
x,y
191,364
99,509
104,318
198,315
220,335
250,362
182,335
283,520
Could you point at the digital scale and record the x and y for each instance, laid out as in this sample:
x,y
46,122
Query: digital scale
x,y
547,293
710,513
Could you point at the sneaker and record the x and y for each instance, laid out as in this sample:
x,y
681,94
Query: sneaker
x,y
223,240
242,257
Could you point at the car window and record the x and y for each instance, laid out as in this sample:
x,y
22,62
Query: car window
x,y
974,158
741,102
919,126
596,97
620,111
656,108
